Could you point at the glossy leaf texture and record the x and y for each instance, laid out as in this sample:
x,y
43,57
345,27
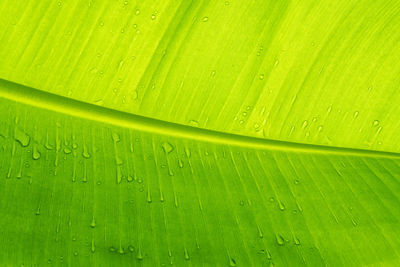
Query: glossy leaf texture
x,y
199,133
305,71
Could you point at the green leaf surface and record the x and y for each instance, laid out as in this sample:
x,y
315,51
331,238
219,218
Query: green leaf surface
x,y
199,133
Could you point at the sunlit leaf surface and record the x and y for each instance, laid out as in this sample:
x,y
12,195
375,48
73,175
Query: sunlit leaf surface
x,y
199,133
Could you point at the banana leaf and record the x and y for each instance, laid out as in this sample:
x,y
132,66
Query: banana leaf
x,y
199,133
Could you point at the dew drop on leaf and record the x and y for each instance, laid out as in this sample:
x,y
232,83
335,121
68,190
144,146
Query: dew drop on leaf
x,y
280,240
139,255
296,241
180,163
305,123
115,137
35,154
194,123
22,138
188,152
85,152
93,223
187,257
167,147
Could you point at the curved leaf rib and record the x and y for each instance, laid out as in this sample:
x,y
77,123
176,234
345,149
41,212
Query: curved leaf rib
x,y
27,95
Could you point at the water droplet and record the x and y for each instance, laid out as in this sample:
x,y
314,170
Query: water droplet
x,y
93,248
296,241
320,128
112,249
280,240
281,206
260,233
115,137
167,147
22,138
180,163
36,153
93,223
153,17
261,77
305,123
67,150
205,19
375,123
187,152
232,262
85,152
187,257
139,255
137,12
194,123
271,199
299,206
356,114
134,95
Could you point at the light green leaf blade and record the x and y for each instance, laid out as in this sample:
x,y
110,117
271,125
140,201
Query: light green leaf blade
x,y
206,133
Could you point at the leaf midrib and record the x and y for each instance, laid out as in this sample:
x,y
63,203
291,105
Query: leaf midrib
x,y
56,103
